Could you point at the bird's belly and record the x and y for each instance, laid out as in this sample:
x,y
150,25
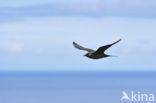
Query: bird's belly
x,y
97,56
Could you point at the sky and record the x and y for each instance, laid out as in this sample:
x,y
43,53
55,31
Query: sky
x,y
38,34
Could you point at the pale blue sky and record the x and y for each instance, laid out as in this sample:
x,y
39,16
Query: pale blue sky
x,y
38,34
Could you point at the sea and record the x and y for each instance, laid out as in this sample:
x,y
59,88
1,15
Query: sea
x,y
76,86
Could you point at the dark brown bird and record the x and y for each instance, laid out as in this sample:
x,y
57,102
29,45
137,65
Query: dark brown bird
x,y
99,53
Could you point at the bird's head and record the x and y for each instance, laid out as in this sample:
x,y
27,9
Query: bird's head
x,y
87,55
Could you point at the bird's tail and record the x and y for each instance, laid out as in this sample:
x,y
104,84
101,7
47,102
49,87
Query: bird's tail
x,y
112,56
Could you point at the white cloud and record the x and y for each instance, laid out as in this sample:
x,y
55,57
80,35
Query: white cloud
x,y
11,46
16,47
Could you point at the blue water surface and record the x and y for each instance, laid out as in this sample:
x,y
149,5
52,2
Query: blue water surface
x,y
73,86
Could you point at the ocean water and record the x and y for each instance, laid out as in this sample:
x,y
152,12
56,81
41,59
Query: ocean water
x,y
73,86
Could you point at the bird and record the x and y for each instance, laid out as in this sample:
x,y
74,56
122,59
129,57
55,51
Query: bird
x,y
99,53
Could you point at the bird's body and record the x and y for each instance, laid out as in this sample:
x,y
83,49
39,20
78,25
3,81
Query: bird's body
x,y
95,56
99,53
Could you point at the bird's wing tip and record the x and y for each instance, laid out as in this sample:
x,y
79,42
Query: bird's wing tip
x,y
74,42
119,40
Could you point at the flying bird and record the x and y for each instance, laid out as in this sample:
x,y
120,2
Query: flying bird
x,y
99,53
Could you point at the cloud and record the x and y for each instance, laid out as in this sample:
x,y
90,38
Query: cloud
x,y
16,47
128,8
11,46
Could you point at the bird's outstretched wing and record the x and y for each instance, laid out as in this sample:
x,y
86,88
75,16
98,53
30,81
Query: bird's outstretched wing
x,y
103,48
82,48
